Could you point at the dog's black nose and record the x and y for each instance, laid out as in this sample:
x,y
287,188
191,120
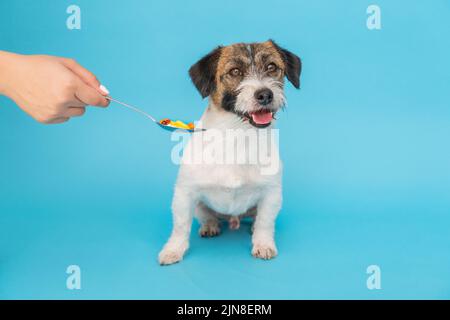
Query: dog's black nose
x,y
264,96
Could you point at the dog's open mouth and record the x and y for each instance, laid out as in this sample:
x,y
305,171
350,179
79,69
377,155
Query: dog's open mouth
x,y
261,118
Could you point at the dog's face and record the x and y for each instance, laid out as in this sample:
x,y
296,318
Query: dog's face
x,y
247,79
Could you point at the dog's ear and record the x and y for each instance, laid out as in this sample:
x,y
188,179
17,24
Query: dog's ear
x,y
203,73
293,65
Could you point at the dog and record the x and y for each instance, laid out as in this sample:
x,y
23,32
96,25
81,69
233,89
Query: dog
x,y
245,86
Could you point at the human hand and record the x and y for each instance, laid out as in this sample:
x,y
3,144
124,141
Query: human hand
x,y
50,89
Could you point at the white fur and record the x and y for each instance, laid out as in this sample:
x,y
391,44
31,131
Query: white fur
x,y
202,190
245,100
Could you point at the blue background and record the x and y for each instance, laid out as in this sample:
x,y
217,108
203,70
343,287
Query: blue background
x,y
365,144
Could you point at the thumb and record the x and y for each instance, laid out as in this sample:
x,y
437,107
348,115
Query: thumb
x,y
88,77
90,96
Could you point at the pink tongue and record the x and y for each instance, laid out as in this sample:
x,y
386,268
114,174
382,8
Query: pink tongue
x,y
262,117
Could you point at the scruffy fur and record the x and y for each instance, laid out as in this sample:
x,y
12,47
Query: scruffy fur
x,y
240,80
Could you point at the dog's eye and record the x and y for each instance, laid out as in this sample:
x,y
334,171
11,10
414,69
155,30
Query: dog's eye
x,y
271,67
235,72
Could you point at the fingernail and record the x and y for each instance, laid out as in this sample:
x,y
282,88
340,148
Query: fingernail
x,y
104,89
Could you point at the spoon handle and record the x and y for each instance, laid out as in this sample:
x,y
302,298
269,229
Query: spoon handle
x,y
132,108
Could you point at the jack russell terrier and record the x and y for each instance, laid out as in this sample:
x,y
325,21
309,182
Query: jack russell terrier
x,y
245,86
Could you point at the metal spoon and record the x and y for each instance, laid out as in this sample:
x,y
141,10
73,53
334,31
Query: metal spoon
x,y
164,126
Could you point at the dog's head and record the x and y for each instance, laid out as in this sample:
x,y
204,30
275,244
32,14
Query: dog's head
x,y
247,79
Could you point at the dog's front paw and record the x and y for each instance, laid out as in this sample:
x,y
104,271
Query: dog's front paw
x,y
167,257
171,254
264,251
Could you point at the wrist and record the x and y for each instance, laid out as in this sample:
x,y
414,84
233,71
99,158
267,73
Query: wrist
x,y
7,61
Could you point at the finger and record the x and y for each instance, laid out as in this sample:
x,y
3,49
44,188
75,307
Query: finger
x,y
74,112
75,102
57,120
90,96
87,76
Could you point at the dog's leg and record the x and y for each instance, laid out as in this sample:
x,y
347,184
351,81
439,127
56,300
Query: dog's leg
x,y
251,213
182,207
210,225
264,225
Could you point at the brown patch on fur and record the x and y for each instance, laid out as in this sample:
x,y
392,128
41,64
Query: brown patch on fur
x,y
213,76
247,58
